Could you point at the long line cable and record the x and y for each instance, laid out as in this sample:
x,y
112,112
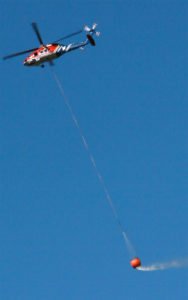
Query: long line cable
x,y
128,243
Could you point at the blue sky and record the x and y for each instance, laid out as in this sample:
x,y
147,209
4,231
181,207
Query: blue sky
x,y
59,239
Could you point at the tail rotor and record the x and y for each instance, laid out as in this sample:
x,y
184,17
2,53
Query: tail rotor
x,y
91,31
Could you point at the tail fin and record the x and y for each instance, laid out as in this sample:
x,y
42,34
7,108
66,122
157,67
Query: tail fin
x,y
91,32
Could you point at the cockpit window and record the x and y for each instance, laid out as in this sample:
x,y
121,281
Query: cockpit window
x,y
35,53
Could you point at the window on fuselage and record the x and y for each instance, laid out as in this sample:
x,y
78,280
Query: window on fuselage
x,y
35,53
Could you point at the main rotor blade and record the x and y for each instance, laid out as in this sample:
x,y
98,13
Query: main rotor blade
x,y
68,36
35,27
19,53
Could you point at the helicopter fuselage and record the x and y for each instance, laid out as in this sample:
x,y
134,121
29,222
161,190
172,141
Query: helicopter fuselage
x,y
45,54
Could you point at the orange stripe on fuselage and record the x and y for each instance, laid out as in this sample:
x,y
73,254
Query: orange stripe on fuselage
x,y
51,48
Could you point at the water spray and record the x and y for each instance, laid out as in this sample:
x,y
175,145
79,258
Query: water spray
x,y
174,264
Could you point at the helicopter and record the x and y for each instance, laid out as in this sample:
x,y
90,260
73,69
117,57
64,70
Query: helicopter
x,y
49,52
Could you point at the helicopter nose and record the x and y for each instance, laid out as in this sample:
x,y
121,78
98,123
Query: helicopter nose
x,y
26,63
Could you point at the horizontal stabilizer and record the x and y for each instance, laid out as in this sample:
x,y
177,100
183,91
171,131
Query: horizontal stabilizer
x,y
91,40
